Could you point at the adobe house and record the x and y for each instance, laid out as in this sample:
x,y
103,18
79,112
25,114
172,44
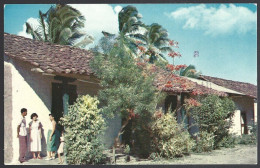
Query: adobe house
x,y
246,102
44,78
243,94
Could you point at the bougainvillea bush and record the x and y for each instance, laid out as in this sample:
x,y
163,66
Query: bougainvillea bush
x,y
214,116
83,126
170,139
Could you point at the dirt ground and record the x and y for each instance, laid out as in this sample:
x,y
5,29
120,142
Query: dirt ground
x,y
241,154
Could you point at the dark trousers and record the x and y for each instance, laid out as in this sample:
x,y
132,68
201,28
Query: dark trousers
x,y
22,147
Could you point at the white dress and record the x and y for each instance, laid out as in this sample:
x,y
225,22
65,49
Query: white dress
x,y
36,136
60,150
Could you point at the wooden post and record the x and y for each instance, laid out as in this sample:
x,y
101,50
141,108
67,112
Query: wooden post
x,y
114,156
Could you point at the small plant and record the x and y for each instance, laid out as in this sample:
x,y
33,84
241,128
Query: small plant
x,y
83,126
229,141
204,142
246,139
170,139
154,156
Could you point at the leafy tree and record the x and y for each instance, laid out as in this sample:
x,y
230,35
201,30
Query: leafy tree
x,y
61,24
127,89
214,116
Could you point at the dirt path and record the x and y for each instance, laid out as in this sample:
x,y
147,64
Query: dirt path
x,y
241,154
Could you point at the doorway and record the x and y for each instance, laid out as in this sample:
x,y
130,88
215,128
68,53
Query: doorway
x,y
170,102
58,91
244,129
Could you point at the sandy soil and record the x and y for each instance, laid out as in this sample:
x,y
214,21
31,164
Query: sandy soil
x,y
241,154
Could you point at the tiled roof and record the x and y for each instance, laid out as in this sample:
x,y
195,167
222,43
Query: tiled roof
x,y
50,58
166,81
60,59
246,88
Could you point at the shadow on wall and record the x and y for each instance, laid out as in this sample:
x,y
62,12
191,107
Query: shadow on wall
x,y
41,85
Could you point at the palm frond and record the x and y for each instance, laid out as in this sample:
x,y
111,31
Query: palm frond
x,y
35,34
42,17
165,49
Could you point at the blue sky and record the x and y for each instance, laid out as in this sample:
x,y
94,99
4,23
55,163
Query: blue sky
x,y
224,34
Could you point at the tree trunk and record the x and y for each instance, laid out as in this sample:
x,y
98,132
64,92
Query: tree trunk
x,y
121,132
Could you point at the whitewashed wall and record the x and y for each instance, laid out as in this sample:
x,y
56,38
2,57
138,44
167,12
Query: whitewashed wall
x,y
243,104
33,91
236,123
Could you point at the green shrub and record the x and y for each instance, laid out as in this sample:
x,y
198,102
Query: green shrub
x,y
170,139
214,116
253,129
228,141
154,156
246,139
204,142
83,126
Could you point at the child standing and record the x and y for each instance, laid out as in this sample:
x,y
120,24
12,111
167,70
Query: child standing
x,y
60,150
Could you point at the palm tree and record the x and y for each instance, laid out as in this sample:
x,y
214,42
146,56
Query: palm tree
x,y
189,71
61,24
129,23
156,41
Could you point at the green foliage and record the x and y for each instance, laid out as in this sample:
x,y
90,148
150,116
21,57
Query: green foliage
x,y
249,139
170,139
214,116
129,19
154,156
204,142
61,24
189,71
253,129
228,141
83,126
125,86
246,139
142,135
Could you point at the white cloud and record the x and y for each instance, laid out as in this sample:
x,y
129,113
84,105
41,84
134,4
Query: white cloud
x,y
33,22
223,20
118,9
99,17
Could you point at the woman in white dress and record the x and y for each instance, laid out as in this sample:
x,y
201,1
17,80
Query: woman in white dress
x,y
35,127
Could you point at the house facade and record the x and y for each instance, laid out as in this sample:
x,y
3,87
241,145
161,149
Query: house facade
x,y
45,78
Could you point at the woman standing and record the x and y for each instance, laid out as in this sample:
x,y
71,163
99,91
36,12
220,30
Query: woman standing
x,y
52,139
35,127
